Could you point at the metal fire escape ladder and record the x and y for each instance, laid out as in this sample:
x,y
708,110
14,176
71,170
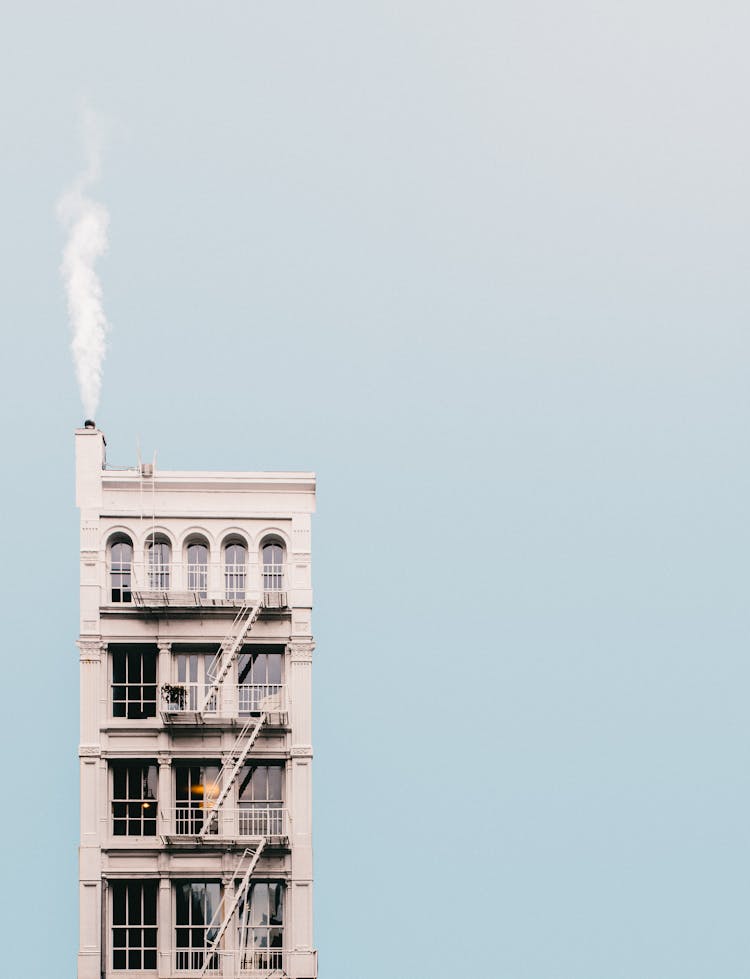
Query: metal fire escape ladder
x,y
253,856
232,766
228,650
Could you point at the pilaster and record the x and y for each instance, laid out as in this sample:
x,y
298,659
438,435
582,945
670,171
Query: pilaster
x,y
164,921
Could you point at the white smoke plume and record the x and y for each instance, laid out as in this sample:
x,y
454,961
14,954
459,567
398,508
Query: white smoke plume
x,y
86,222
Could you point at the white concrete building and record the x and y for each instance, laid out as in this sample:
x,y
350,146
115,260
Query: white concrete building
x,y
196,654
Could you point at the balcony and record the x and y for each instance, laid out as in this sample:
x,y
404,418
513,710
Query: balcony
x,y
183,703
186,586
251,821
253,963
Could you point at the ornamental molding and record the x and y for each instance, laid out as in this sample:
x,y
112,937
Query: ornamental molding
x,y
301,652
164,645
89,751
91,650
302,751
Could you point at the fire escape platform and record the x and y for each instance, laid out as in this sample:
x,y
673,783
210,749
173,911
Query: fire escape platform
x,y
212,842
189,719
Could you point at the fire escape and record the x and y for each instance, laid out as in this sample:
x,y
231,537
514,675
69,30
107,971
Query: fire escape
x,y
265,963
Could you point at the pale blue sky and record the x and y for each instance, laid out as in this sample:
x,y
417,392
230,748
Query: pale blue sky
x,y
483,266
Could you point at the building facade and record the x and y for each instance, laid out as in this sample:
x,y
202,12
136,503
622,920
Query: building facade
x,y
195,755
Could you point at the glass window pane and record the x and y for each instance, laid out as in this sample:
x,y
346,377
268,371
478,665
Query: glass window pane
x,y
182,892
118,903
149,906
274,668
244,667
120,777
274,783
134,905
276,897
152,782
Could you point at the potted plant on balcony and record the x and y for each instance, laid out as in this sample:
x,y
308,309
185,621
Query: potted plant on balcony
x,y
174,696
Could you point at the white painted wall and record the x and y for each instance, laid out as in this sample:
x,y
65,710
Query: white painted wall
x,y
249,506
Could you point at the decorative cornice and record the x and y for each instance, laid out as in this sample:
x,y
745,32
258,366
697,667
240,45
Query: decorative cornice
x,y
253,482
301,751
89,751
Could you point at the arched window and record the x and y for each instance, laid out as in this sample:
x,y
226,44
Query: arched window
x,y
235,571
273,567
197,568
121,570
158,564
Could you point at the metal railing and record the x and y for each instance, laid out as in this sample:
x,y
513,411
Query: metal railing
x,y
189,820
197,578
235,582
179,698
190,962
266,697
253,820
231,584
263,961
273,579
252,962
229,701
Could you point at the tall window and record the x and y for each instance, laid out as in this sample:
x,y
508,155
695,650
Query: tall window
x,y
133,682
273,567
196,909
235,571
121,570
259,676
197,559
158,565
261,800
260,935
197,791
134,789
193,673
134,924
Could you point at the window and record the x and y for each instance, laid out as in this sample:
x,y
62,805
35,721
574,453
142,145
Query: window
x,y
193,673
235,571
261,800
196,925
158,565
197,569
197,790
260,935
120,570
273,567
134,924
259,677
133,682
134,791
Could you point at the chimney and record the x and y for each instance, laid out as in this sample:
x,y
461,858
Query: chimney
x,y
90,459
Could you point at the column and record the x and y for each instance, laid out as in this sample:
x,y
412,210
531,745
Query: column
x,y
163,669
298,931
230,963
90,870
165,800
164,920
